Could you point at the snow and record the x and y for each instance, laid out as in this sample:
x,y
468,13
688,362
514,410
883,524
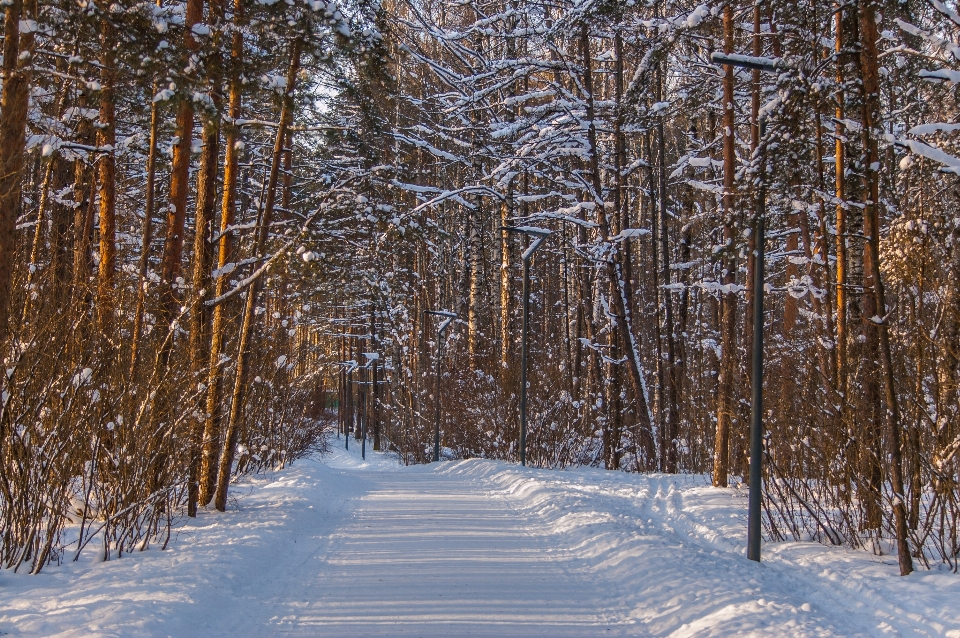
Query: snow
x,y
627,233
950,162
927,129
948,75
341,546
748,61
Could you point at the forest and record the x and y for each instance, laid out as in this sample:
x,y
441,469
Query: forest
x,y
224,227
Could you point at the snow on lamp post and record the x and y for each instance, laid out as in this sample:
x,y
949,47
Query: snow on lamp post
x,y
768,65
538,235
448,318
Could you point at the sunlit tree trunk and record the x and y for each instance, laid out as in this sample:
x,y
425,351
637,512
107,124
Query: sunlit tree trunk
x,y
171,261
107,171
841,214
14,99
203,252
728,311
210,447
246,330
876,317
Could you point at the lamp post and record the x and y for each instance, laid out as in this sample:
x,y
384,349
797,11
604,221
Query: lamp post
x,y
448,319
769,65
371,358
538,235
351,366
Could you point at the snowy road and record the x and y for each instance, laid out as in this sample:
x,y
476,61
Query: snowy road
x,y
476,548
427,555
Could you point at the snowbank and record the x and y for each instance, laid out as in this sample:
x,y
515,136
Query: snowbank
x,y
345,547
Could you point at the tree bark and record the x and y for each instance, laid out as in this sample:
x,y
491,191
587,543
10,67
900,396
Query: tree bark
x,y
506,285
841,216
146,233
171,260
61,217
203,254
671,378
14,99
613,267
754,145
210,446
728,313
34,264
871,228
246,331
106,164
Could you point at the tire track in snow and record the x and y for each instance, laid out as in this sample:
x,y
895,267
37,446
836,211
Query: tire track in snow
x,y
476,548
641,545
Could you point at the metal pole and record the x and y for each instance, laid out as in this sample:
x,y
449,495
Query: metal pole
x,y
538,235
346,405
364,415
375,406
767,65
756,416
436,401
448,319
523,360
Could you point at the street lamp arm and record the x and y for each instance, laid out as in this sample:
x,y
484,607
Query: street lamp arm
x,y
533,247
538,235
449,318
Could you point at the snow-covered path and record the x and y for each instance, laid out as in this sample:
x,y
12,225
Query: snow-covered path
x,y
341,547
431,555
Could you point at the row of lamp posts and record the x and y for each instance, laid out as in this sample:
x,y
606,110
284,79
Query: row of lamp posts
x,y
351,366
539,235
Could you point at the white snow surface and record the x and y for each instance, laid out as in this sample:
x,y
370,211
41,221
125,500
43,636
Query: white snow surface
x,y
338,546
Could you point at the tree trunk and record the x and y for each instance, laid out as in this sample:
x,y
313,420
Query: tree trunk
x,y
728,313
170,262
475,266
14,99
612,265
506,286
671,378
61,217
210,446
871,228
246,331
821,264
106,163
146,233
34,264
203,254
85,196
754,145
840,165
